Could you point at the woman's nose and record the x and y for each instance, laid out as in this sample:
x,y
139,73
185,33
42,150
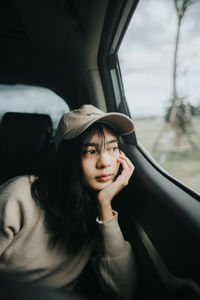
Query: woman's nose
x,y
103,160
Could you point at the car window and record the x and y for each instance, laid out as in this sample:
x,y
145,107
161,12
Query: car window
x,y
32,99
160,66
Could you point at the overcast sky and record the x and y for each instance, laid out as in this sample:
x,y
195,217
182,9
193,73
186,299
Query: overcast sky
x,y
146,57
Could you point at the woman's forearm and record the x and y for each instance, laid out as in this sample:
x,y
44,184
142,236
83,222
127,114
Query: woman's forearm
x,y
105,211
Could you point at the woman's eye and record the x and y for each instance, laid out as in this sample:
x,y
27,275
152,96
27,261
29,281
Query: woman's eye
x,y
113,149
89,152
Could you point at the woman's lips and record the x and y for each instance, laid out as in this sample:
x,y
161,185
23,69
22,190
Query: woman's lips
x,y
104,178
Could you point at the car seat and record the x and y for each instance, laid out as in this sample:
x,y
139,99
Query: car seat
x,y
26,144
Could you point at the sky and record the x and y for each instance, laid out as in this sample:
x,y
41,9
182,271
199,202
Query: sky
x,y
146,57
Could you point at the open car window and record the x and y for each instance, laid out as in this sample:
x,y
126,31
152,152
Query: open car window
x,y
160,74
32,99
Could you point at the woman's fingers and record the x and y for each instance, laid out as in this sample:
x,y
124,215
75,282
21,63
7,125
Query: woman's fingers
x,y
126,163
107,194
127,169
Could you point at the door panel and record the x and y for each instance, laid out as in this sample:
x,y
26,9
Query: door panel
x,y
163,224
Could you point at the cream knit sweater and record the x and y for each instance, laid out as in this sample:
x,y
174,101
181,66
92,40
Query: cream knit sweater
x,y
25,249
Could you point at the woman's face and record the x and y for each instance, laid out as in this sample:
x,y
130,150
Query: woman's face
x,y
100,160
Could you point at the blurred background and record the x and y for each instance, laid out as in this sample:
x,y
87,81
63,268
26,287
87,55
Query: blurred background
x,y
160,65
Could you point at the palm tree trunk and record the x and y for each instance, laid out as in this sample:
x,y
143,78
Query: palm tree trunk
x,y
174,114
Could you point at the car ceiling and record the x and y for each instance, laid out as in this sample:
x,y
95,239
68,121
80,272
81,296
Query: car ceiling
x,y
53,43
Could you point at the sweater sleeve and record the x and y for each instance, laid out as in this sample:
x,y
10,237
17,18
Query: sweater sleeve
x,y
114,263
10,219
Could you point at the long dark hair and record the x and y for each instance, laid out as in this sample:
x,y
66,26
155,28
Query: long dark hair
x,y
70,206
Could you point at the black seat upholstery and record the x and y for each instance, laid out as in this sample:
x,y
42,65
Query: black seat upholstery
x,y
25,144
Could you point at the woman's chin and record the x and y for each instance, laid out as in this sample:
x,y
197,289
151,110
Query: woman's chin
x,y
100,186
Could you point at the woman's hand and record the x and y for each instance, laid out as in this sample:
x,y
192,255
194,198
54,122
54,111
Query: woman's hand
x,y
105,196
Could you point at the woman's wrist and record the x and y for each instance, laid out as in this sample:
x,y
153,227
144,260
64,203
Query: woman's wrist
x,y
105,211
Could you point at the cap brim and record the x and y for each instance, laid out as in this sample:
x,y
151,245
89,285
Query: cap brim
x,y
121,122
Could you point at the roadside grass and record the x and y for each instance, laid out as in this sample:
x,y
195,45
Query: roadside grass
x,y
182,162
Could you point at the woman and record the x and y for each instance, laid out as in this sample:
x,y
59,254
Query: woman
x,y
52,224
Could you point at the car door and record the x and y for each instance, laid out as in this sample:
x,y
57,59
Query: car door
x,y
159,214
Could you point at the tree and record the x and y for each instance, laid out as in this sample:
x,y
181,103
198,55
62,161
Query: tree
x,y
178,114
177,118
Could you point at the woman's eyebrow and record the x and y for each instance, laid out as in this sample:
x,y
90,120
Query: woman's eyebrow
x,y
112,141
97,145
91,144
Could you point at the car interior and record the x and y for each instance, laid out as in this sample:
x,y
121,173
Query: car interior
x,y
31,150
71,47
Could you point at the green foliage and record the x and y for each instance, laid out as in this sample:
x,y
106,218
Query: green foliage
x,y
184,111
195,110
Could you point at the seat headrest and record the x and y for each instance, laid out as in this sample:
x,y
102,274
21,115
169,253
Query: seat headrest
x,y
23,136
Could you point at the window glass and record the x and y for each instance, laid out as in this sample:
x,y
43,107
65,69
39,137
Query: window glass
x,y
31,99
160,66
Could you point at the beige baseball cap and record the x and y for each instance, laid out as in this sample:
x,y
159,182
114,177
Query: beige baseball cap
x,y
73,123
